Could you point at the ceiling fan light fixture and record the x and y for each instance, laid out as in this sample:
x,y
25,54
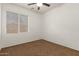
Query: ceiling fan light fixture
x,y
39,4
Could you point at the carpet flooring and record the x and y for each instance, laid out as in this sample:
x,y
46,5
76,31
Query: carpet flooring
x,y
38,48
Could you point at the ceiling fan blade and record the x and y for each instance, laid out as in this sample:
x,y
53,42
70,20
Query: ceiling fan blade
x,y
38,8
31,3
46,4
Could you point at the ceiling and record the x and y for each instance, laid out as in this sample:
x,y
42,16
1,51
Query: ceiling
x,y
43,8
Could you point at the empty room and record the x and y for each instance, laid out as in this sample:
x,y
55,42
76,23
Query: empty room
x,y
39,29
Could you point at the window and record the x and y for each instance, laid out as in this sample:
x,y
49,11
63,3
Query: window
x,y
12,22
15,22
23,23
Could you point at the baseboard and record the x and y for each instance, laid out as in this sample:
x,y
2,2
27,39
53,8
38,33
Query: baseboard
x,y
43,40
19,44
61,45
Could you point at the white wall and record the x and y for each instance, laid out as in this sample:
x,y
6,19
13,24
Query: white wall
x,y
41,26
62,25
33,25
0,27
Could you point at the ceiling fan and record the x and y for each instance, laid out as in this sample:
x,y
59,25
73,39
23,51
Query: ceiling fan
x,y
40,4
